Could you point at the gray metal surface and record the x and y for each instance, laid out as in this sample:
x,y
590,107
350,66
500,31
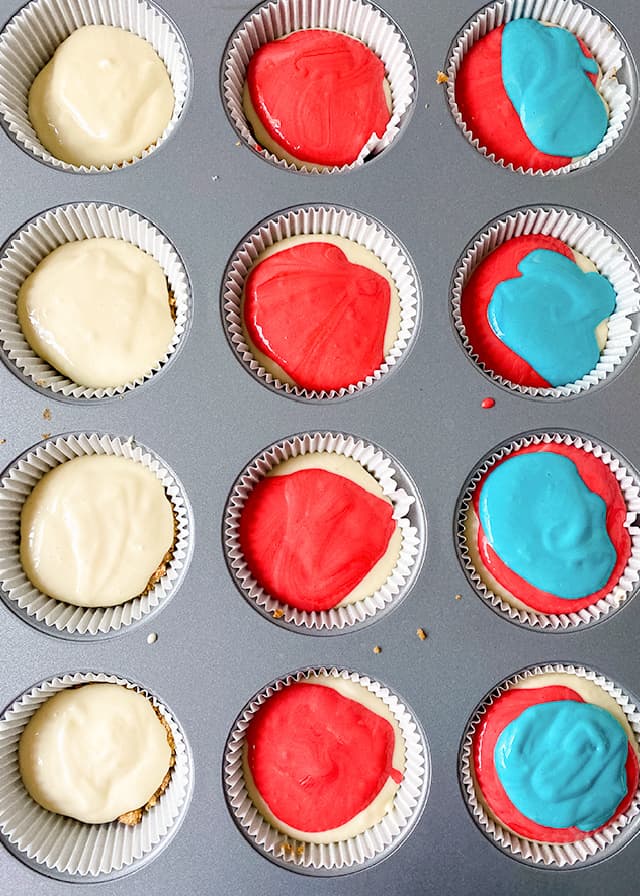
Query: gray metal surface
x,y
207,417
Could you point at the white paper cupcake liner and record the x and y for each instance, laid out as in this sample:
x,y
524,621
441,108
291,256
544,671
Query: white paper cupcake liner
x,y
343,856
596,241
359,19
626,586
32,36
53,616
65,224
408,513
63,847
548,855
321,220
606,44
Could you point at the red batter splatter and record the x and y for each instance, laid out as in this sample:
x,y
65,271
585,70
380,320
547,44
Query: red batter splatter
x,y
310,537
318,758
599,479
319,94
501,264
321,318
488,403
488,112
505,708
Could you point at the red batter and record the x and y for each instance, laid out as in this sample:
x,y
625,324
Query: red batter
x,y
507,707
321,318
501,264
488,112
319,95
318,758
310,537
599,479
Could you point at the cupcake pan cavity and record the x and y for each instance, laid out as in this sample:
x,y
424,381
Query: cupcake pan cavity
x,y
626,587
54,616
67,849
359,19
32,36
56,227
343,856
407,511
603,843
207,416
587,235
321,221
619,85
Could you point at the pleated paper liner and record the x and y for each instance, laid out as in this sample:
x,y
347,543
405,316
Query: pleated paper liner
x,y
362,20
594,239
322,220
624,589
67,849
56,227
619,80
553,856
53,616
343,856
32,36
407,511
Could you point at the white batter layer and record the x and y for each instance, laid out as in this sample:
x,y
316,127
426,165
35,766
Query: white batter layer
x,y
98,311
102,99
351,469
265,139
383,801
94,530
356,254
590,693
94,752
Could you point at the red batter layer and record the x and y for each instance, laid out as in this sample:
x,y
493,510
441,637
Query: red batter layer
x,y
507,707
319,95
488,112
321,318
501,264
311,536
599,479
318,758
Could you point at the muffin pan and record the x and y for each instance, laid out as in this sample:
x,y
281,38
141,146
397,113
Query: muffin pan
x,y
207,416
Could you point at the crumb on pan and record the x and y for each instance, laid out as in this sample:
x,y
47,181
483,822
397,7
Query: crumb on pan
x,y
458,597
420,632
278,614
41,382
135,815
45,435
3,441
377,649
46,414
441,78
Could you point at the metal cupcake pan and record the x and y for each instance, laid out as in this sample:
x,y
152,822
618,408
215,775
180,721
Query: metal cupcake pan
x,y
206,416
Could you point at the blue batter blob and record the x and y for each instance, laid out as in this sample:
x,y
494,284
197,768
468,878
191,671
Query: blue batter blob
x,y
543,72
546,525
562,764
548,315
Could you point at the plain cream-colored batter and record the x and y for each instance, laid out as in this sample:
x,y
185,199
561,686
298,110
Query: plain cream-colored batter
x,y
351,469
356,254
94,752
383,801
102,99
94,530
98,311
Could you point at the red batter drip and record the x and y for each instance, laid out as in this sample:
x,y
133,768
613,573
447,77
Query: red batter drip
x,y
310,537
599,479
319,95
501,264
321,318
488,112
505,708
318,758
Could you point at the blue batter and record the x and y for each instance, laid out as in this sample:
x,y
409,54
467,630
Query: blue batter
x,y
548,315
546,525
562,764
544,75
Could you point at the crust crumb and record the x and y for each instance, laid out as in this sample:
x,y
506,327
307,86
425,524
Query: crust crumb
x,y
3,441
458,597
377,649
172,303
278,614
46,414
135,815
420,632
41,382
300,850
45,435
441,78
